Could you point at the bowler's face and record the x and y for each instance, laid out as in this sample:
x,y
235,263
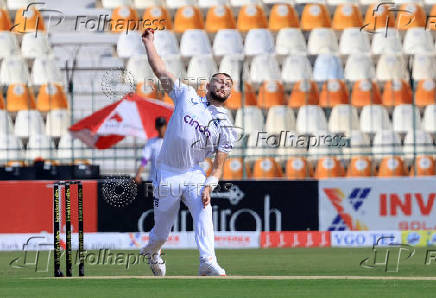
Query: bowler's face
x,y
220,87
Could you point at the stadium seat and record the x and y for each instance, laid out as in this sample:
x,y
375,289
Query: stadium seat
x,y
206,165
259,41
347,16
410,15
327,66
283,16
354,40
280,118
234,170
416,143
250,119
386,41
235,65
386,142
296,68
5,20
195,42
322,40
391,166
423,67
298,168
159,15
124,18
424,165
201,69
405,117
187,18
260,145
228,42
271,93
35,45
290,41
28,20
130,44
218,18
425,93
365,92
139,68
206,4
176,4
379,16
9,44
112,4
374,118
148,90
2,102
396,92
143,4
175,65
311,119
390,67
6,125
251,16
45,71
51,96
315,15
329,167
13,71
28,123
304,92
266,168
359,67
360,166
19,97
234,101
418,40
11,150
58,122
343,119
358,144
40,147
429,119
264,68
334,92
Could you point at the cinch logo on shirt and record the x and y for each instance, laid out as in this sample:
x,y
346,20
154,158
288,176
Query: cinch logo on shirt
x,y
201,128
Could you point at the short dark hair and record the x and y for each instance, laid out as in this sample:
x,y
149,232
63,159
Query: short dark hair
x,y
224,74
159,122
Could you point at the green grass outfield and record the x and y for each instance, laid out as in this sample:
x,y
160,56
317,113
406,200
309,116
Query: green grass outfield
x,y
298,272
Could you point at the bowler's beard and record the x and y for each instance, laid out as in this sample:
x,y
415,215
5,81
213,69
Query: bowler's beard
x,y
214,96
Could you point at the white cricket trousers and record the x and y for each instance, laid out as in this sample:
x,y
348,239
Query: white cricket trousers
x,y
170,186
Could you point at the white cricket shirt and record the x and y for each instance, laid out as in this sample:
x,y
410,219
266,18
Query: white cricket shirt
x,y
150,153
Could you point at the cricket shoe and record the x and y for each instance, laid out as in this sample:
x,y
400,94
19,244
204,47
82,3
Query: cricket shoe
x,y
157,264
210,268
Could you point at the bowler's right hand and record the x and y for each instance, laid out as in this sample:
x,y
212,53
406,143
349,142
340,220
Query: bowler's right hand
x,y
148,35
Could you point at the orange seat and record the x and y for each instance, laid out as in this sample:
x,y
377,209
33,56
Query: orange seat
x,y
28,20
251,16
425,166
207,166
329,167
124,18
283,16
347,16
304,93
271,93
219,17
5,20
431,19
20,97
396,92
233,169
188,17
148,90
267,167
391,166
365,93
2,102
298,168
334,92
425,93
167,99
315,16
234,101
157,16
360,166
379,16
410,15
51,97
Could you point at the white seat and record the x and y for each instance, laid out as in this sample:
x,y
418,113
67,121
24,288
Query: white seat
x,y
130,44
11,148
201,69
13,70
418,40
386,41
228,42
166,43
58,122
296,68
359,67
343,118
175,65
232,65
240,3
358,144
290,41
386,142
374,118
326,67
40,146
205,4
258,145
28,123
417,142
429,119
390,67
9,44
311,119
404,118
35,45
111,4
291,144
322,40
258,41
195,42
354,40
280,118
139,68
264,68
45,71
423,67
6,125
174,4
326,145
71,148
142,4
249,119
